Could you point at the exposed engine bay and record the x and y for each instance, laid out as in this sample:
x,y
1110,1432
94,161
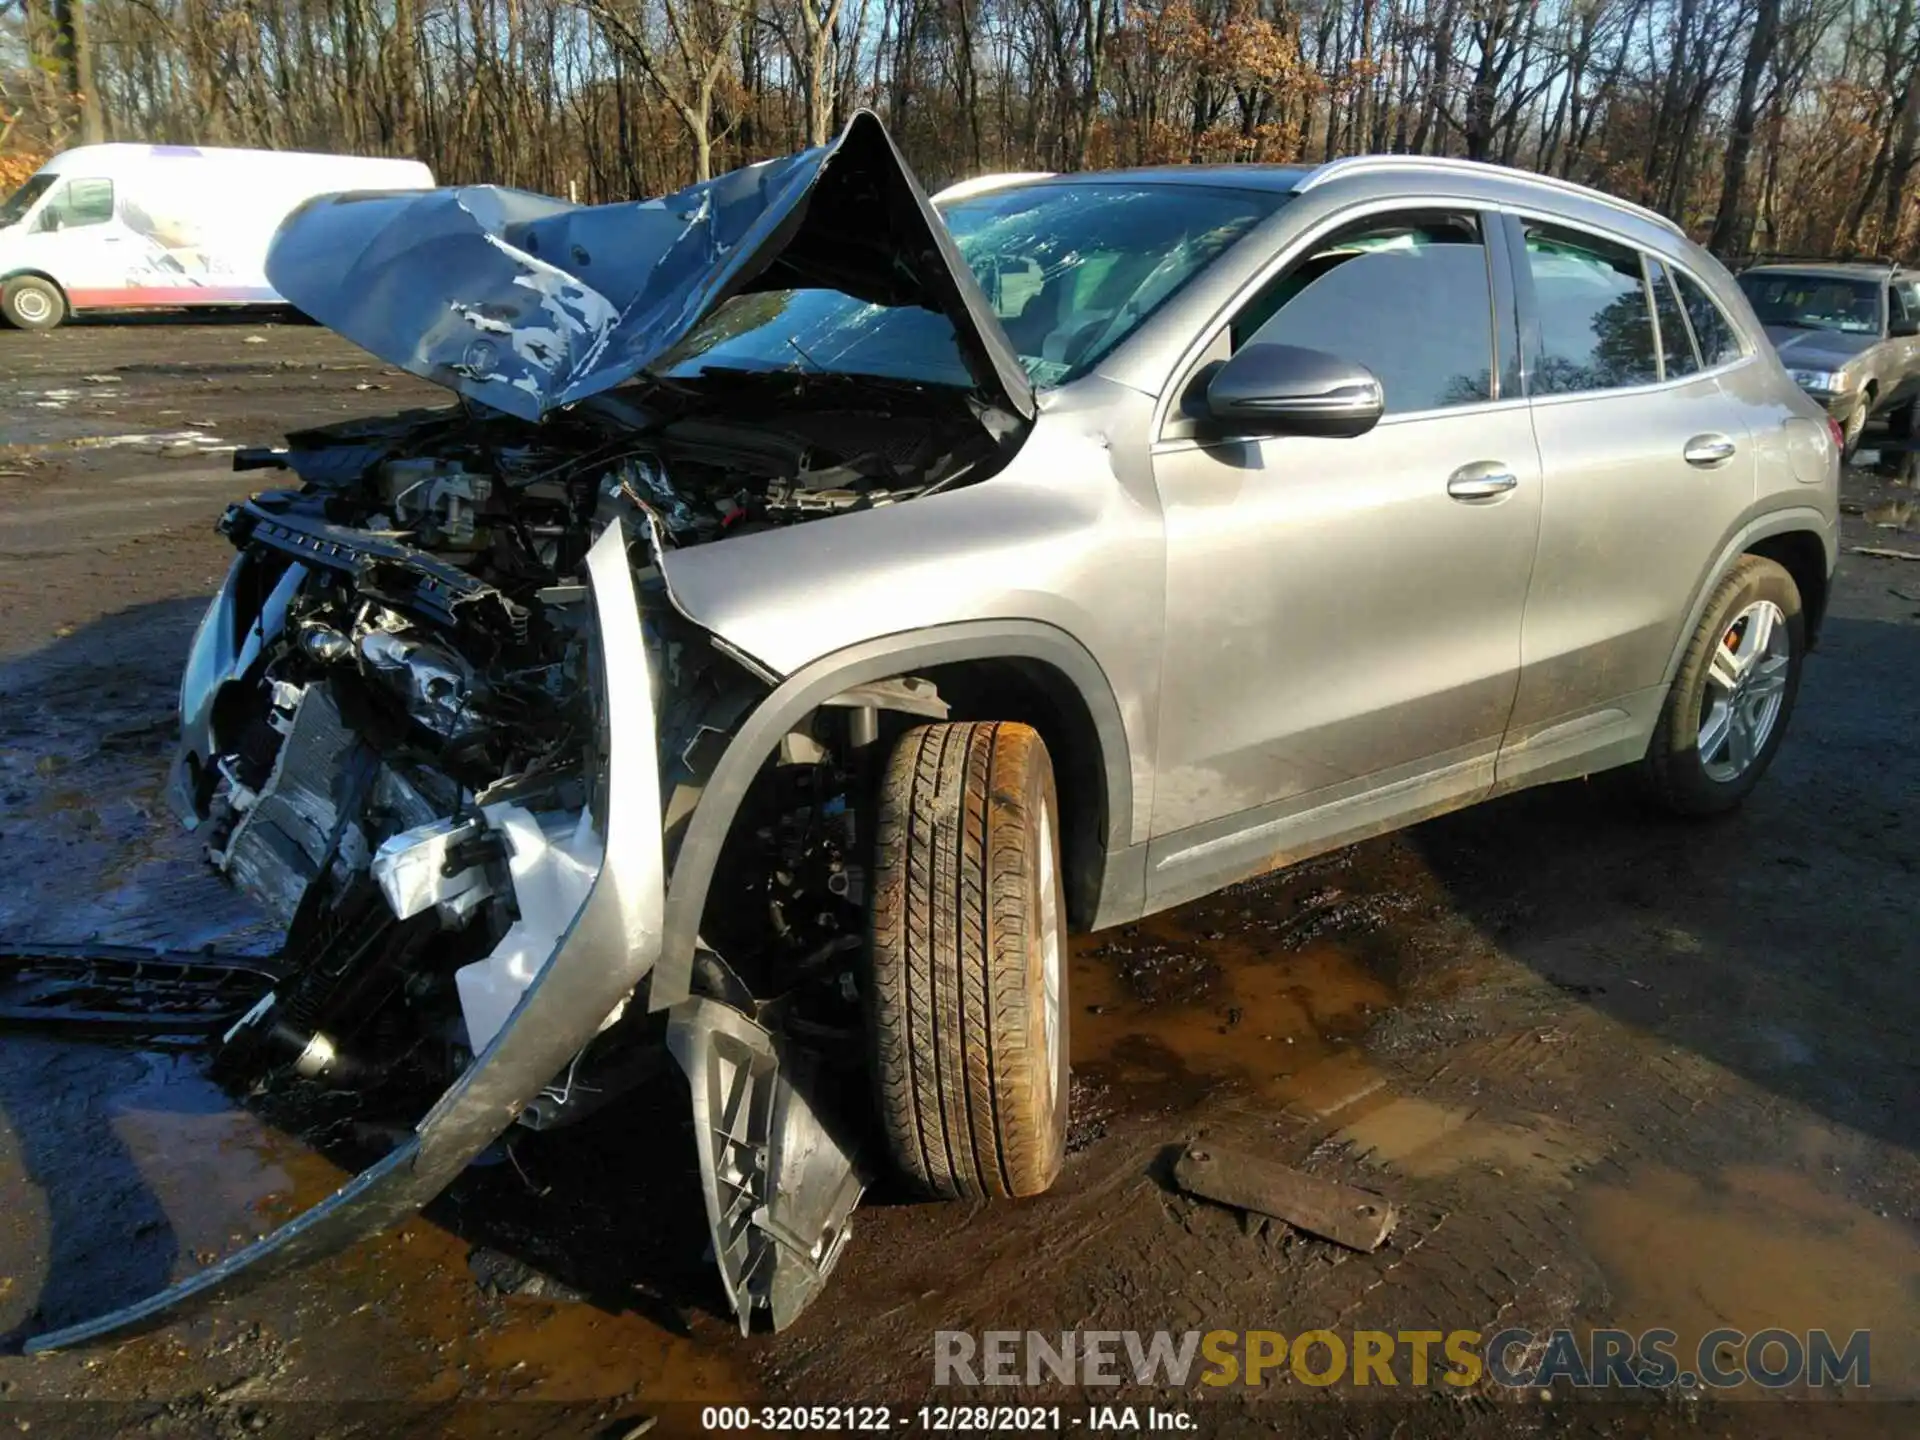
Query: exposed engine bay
x,y
396,738
445,721
402,772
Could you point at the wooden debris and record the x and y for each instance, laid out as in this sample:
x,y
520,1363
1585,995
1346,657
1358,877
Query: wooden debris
x,y
1357,1219
1881,553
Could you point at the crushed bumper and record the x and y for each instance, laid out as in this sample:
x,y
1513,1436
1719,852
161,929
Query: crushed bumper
x,y
607,948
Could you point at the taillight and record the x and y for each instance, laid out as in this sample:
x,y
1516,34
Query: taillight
x,y
1839,435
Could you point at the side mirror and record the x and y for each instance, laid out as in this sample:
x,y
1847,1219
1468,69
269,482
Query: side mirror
x,y
1287,390
49,219
1902,325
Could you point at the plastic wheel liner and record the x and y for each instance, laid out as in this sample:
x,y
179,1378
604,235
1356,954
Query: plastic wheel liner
x,y
596,960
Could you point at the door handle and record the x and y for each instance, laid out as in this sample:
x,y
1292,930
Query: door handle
x,y
1708,450
1483,481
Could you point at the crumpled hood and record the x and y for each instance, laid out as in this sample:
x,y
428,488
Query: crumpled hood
x,y
1806,348
527,303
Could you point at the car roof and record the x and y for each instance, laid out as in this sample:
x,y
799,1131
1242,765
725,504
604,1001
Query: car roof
x,y
1502,182
1831,269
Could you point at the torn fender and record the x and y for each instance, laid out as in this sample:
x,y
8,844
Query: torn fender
x,y
609,946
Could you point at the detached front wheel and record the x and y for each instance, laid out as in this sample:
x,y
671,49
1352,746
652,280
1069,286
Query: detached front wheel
x,y
967,1013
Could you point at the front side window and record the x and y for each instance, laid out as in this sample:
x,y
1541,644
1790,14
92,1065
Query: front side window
x,y
79,202
1405,295
14,208
1711,327
1791,300
1676,344
1596,327
1071,269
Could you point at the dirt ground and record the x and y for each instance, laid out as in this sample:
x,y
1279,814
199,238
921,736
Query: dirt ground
x,y
1613,1070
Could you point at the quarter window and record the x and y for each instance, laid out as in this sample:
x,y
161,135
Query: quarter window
x,y
1676,344
1596,329
1405,295
1711,328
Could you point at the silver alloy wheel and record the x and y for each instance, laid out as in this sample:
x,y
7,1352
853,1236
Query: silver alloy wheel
x,y
1049,922
32,305
1746,685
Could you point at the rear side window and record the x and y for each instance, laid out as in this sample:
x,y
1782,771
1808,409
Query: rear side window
x,y
1711,328
1405,295
1596,328
1676,344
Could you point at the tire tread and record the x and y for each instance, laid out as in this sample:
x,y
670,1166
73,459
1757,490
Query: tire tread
x,y
950,1002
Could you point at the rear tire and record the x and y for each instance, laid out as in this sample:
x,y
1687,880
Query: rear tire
x,y
1720,727
1855,430
967,1012
31,303
1896,455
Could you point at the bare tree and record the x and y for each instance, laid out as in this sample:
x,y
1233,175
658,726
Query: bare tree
x,y
1793,120
688,71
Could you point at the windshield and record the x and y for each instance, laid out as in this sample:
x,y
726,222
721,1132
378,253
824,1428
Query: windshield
x,y
17,204
1814,302
1070,270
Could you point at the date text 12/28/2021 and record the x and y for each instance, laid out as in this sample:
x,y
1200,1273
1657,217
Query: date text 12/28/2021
x,y
979,1419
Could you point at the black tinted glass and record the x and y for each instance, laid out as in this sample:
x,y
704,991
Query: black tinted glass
x,y
1793,300
21,201
1676,345
1711,328
1406,296
1596,332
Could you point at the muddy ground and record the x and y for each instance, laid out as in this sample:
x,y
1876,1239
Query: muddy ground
x,y
1614,1070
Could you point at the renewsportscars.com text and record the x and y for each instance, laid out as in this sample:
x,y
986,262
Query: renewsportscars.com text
x,y
1515,1358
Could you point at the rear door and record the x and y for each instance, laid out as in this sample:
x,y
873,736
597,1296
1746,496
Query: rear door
x,y
1647,463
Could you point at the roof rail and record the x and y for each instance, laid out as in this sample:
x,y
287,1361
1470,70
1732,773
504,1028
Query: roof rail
x,y
1452,165
1790,257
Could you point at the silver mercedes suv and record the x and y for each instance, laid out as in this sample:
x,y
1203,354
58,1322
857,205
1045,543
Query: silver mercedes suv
x,y
822,597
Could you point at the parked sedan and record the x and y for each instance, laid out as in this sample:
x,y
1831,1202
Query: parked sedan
x,y
1849,334
821,600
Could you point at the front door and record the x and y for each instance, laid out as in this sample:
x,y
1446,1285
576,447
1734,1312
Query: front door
x,y
1343,616
76,238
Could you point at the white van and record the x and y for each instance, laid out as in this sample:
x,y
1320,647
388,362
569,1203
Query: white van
x,y
118,227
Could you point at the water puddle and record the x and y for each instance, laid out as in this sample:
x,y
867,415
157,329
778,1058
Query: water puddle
x,y
1419,1138
211,1167
1754,1248
1266,987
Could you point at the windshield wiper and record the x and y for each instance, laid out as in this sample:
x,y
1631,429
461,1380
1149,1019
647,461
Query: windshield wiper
x,y
800,350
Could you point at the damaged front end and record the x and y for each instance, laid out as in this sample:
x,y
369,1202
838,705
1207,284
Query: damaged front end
x,y
446,722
